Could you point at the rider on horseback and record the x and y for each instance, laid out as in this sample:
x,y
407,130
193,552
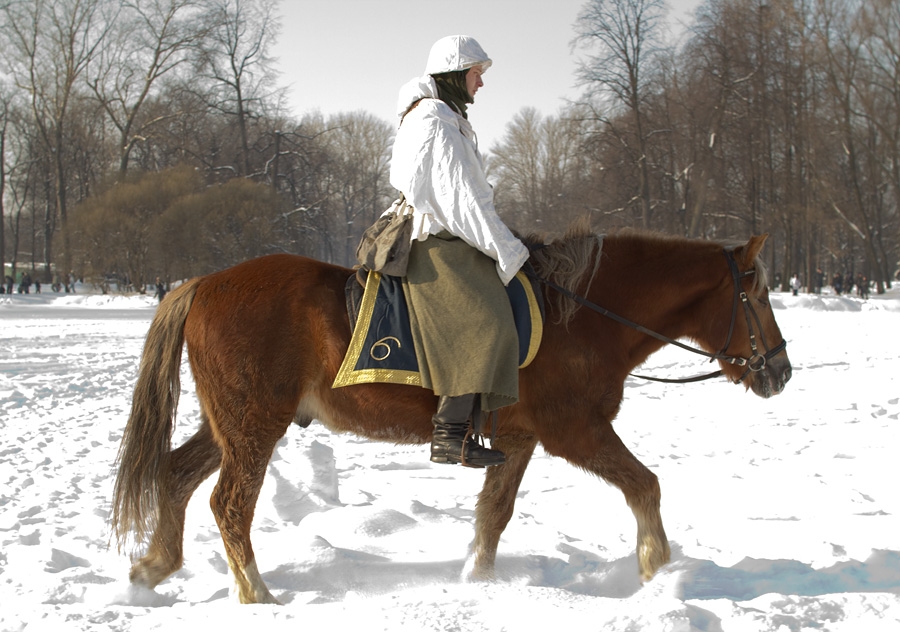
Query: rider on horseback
x,y
462,253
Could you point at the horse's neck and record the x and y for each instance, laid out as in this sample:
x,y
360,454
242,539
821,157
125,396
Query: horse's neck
x,y
659,285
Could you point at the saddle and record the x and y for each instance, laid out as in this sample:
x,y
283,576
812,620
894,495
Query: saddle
x,y
381,349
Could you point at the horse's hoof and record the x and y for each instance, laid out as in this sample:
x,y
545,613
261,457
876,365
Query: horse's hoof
x,y
651,559
146,575
473,573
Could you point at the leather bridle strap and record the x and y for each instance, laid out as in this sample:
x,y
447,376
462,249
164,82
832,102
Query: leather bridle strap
x,y
757,361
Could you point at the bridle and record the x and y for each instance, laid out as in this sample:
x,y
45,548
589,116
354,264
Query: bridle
x,y
755,363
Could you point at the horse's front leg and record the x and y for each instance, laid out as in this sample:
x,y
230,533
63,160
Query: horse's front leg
x,y
613,462
496,501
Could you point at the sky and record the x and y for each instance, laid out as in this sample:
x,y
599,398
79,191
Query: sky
x,y
349,55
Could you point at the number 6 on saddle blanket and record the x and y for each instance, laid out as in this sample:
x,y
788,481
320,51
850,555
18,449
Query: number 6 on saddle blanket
x,y
382,350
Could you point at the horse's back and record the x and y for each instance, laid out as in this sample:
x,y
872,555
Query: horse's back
x,y
268,280
267,327
266,300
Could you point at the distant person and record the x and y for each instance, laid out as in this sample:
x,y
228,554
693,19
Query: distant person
x,y
862,286
10,282
160,290
795,284
24,283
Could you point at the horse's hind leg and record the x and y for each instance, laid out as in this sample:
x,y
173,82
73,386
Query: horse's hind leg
x,y
496,501
613,462
189,465
244,460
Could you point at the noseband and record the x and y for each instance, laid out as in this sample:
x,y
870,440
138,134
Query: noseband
x,y
755,363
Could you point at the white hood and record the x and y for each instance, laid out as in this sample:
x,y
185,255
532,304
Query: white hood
x,y
456,52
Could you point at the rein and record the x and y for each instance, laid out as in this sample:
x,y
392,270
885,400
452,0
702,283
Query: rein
x,y
756,362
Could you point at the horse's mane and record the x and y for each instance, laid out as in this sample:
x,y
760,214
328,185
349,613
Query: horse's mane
x,y
566,261
569,259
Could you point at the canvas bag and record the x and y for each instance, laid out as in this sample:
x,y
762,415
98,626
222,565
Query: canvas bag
x,y
384,246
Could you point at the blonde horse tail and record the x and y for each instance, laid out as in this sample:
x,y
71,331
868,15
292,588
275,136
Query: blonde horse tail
x,y
139,495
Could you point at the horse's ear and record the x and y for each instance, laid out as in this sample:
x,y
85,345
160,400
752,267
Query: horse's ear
x,y
749,252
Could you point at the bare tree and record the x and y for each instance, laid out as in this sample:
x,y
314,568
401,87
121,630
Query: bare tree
x,y
234,57
358,145
539,168
625,35
879,99
857,202
49,45
713,79
5,99
25,164
303,174
150,40
519,161
751,108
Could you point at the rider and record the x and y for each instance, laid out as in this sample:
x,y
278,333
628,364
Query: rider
x,y
462,253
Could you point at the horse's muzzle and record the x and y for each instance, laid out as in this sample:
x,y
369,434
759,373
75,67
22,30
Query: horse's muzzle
x,y
772,379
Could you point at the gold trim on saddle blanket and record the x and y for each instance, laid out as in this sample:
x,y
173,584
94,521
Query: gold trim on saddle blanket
x,y
381,349
348,375
537,321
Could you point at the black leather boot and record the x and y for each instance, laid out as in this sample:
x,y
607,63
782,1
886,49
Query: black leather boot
x,y
452,441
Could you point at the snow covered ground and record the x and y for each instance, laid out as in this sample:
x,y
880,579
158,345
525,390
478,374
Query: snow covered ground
x,y
783,514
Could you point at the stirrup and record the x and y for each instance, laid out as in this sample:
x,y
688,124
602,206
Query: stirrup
x,y
462,455
477,441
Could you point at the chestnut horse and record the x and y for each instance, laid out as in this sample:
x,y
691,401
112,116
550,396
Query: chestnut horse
x,y
266,338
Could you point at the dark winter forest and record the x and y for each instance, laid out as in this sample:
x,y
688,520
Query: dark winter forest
x,y
151,139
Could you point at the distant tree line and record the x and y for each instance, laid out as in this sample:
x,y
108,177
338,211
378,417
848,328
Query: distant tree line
x,y
778,116
146,138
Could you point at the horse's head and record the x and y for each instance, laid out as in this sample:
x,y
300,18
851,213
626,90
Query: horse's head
x,y
755,349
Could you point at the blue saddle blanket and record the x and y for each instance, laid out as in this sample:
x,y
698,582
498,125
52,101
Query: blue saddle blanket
x,y
381,349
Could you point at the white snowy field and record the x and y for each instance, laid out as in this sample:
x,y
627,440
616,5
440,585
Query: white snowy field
x,y
782,514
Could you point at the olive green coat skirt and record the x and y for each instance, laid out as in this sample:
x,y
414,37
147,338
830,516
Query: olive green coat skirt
x,y
462,323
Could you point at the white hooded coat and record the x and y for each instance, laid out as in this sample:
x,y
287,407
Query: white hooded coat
x,y
437,166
